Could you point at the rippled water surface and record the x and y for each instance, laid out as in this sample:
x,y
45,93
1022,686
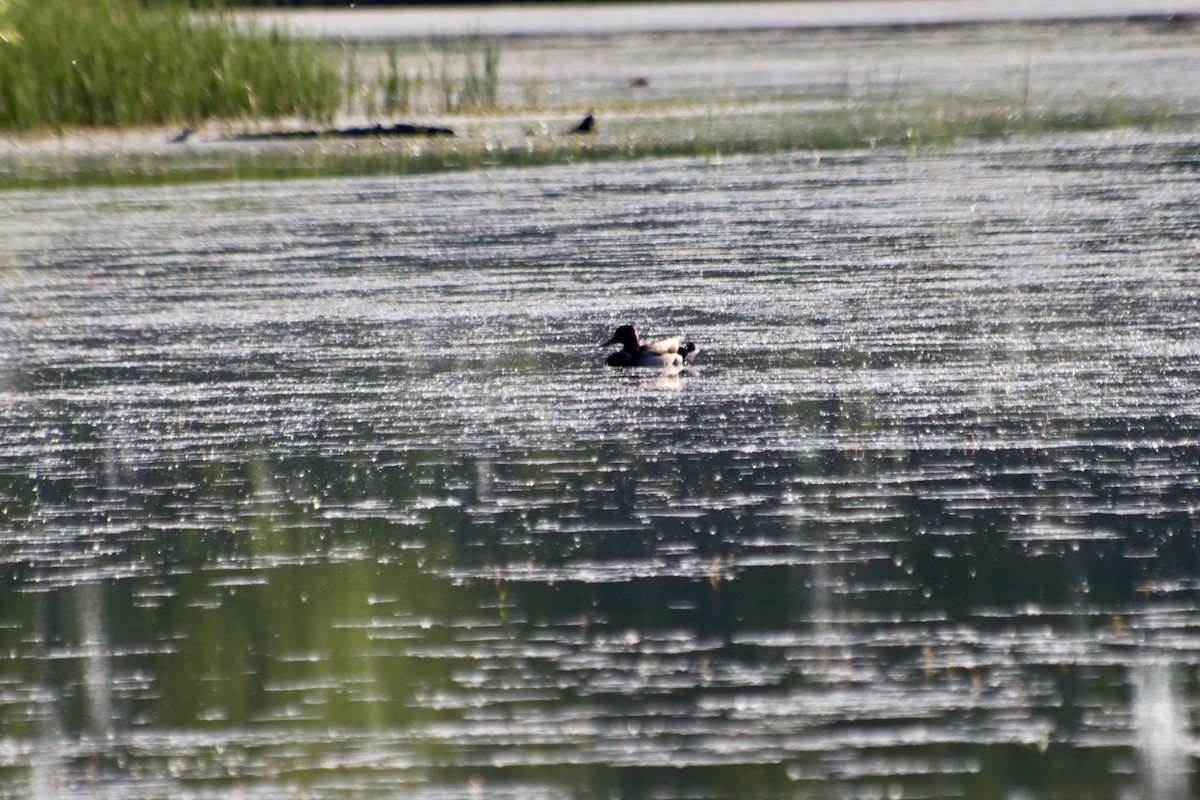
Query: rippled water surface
x,y
319,489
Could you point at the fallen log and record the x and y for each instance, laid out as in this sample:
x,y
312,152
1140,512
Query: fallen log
x,y
399,129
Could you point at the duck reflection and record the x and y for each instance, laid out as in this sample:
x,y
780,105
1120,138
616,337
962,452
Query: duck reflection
x,y
667,379
1159,732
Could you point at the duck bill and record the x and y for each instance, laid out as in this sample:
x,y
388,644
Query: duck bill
x,y
610,342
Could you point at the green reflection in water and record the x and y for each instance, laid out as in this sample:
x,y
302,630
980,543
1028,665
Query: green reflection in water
x,y
297,629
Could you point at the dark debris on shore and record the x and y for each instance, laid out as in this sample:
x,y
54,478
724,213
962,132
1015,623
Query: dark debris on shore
x,y
398,129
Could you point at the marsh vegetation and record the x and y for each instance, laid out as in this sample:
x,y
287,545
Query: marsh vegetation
x,y
509,100
67,64
123,63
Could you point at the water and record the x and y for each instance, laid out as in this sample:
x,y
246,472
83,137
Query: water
x,y
365,22
319,489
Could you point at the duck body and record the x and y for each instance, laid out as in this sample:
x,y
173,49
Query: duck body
x,y
643,358
669,353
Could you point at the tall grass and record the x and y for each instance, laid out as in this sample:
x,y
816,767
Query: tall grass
x,y
482,74
448,76
469,74
398,87
69,63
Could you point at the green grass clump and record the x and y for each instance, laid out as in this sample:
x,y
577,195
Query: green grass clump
x,y
65,63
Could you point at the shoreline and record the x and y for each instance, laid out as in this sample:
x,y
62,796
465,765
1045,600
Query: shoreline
x,y
703,94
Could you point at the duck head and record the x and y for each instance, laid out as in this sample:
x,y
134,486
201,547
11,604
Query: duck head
x,y
627,337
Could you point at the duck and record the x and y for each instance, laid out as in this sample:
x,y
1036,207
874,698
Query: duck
x,y
669,353
588,125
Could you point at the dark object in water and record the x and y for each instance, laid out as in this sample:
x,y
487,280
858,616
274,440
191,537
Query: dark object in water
x,y
183,135
587,126
669,353
399,129
639,83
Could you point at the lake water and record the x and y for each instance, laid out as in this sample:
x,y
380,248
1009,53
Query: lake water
x,y
367,22
319,489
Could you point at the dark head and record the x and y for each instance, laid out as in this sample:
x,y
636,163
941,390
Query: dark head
x,y
627,337
686,350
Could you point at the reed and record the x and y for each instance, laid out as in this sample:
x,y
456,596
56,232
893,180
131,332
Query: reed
x,y
469,74
482,73
65,63
398,86
443,76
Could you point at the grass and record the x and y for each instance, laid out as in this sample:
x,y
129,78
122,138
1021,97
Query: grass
x,y
216,70
481,77
447,76
66,63
122,63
